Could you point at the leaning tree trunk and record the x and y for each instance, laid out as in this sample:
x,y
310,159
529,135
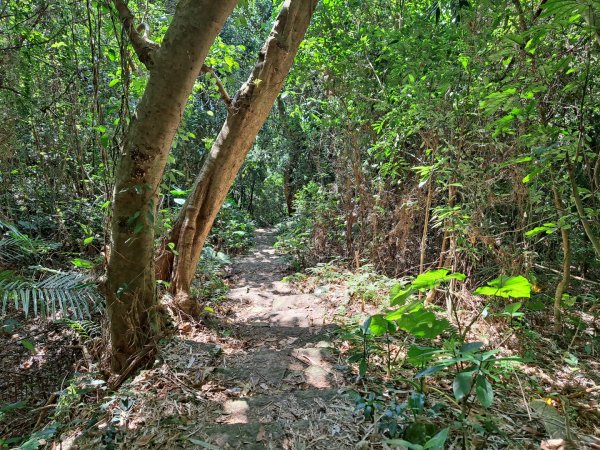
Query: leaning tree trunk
x,y
174,67
247,113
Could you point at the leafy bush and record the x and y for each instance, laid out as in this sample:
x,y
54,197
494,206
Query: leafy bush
x,y
208,284
232,230
314,232
367,285
471,367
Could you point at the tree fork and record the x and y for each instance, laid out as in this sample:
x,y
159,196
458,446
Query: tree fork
x,y
174,66
249,109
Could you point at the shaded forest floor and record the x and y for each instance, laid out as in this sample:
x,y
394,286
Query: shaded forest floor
x,y
268,369
260,372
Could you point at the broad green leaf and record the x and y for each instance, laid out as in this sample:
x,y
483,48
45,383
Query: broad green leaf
x,y
418,356
429,371
366,325
512,308
485,392
82,263
437,442
378,325
471,347
400,297
416,401
432,278
408,308
28,345
362,367
507,287
422,323
462,385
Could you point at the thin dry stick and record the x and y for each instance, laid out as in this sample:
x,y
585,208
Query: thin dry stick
x,y
523,395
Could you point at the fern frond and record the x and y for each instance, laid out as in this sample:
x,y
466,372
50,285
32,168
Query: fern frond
x,y
18,248
87,329
71,294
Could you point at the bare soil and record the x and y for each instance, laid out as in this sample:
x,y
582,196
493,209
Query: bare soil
x,y
260,373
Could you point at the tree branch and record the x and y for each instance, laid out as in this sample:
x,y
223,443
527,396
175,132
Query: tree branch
x,y
144,48
224,95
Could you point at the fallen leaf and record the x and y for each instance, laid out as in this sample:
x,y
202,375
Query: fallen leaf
x,y
261,434
145,440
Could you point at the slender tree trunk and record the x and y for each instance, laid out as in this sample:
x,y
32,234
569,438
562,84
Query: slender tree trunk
x,y
295,137
563,284
130,287
246,115
587,226
425,226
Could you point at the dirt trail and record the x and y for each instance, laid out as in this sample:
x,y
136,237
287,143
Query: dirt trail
x,y
259,373
284,369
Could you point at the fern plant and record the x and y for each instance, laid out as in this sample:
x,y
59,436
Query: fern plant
x,y
62,294
17,248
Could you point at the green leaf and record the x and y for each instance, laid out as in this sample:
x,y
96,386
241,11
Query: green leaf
x,y
82,263
88,240
547,228
506,287
418,356
379,325
114,82
462,385
13,406
398,297
437,442
365,328
423,324
416,401
362,367
432,278
429,371
485,392
28,345
471,347
512,308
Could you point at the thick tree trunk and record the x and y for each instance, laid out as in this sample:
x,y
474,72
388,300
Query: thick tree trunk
x,y
130,287
248,111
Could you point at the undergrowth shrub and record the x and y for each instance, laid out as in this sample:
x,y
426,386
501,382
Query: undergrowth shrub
x,y
434,348
232,232
315,232
209,286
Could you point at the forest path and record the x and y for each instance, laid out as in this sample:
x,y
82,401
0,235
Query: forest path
x,y
280,378
259,372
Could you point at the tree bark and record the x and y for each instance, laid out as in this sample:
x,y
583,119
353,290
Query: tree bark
x,y
563,284
587,226
174,66
246,115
